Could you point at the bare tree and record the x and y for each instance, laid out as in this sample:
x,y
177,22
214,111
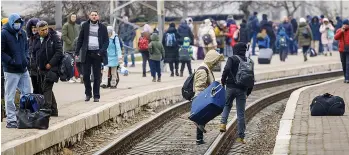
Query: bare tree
x,y
3,14
290,6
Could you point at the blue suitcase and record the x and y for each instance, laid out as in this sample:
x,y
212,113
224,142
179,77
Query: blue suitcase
x,y
208,104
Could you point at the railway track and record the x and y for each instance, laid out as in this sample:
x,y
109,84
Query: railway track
x,y
170,132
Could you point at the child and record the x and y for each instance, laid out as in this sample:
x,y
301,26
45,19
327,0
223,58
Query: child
x,y
186,55
263,39
281,44
114,56
157,53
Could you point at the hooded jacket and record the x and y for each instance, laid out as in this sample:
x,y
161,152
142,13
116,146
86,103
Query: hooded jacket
x,y
281,34
315,28
14,47
156,50
185,31
171,53
32,23
201,79
231,68
114,50
70,31
302,41
324,33
208,29
264,21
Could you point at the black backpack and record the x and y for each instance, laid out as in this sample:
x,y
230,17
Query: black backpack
x,y
66,67
305,33
245,75
207,39
327,105
188,86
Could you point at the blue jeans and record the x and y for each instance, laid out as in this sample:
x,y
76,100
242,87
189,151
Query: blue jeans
x,y
345,64
13,81
127,51
155,68
254,43
240,96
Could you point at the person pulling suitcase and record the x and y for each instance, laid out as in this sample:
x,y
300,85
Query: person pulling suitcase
x,y
202,79
238,77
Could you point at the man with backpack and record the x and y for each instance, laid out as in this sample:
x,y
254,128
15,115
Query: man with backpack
x,y
49,52
203,77
238,76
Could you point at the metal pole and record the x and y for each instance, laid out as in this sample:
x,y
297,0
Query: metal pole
x,y
58,14
341,7
160,12
111,11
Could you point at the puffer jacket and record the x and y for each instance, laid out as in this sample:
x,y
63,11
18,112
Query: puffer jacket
x,y
341,37
324,37
185,31
315,26
302,41
208,29
171,53
114,50
201,79
156,50
70,31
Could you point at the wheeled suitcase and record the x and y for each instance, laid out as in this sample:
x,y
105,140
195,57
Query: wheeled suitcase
x,y
265,55
208,104
327,105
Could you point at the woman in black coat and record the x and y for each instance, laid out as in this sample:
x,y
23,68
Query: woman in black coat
x,y
171,52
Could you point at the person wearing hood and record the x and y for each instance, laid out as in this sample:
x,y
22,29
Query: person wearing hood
x,y
208,29
289,31
14,62
220,35
304,36
232,35
156,54
185,31
190,23
200,52
235,91
264,21
315,29
114,53
49,52
170,43
127,34
309,18
70,31
281,44
342,35
186,55
202,79
32,34
93,42
327,36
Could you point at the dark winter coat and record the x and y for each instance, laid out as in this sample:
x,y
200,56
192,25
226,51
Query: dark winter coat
x,y
31,37
294,25
264,21
184,31
288,28
231,68
126,32
315,28
302,41
49,51
14,51
339,23
244,33
82,43
171,53
269,27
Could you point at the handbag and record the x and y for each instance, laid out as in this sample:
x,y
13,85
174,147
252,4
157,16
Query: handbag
x,y
26,119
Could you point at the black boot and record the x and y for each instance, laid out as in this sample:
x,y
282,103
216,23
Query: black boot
x,y
172,74
177,74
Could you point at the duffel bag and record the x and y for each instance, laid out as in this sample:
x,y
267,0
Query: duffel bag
x,y
33,120
208,104
327,105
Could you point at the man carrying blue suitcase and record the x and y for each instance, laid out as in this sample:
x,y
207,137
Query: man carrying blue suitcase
x,y
202,79
238,76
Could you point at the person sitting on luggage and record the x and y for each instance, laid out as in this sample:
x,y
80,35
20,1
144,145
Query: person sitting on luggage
x,y
186,55
156,54
236,91
202,80
281,44
263,39
114,57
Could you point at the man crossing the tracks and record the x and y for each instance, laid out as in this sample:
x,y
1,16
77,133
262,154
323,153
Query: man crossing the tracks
x,y
238,77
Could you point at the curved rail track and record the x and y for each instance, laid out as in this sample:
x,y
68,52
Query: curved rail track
x,y
170,132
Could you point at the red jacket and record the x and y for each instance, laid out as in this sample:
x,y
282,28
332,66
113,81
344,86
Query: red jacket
x,y
232,29
339,37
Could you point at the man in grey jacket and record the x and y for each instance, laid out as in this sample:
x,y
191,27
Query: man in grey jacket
x,y
127,34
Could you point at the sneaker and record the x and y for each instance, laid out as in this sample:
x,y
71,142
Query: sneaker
x,y
222,128
11,125
199,142
71,81
240,140
78,80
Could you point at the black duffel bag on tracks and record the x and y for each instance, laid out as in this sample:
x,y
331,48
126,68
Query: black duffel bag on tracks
x,y
327,105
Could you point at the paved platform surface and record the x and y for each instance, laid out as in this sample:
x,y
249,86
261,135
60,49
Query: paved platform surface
x,y
320,135
70,97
